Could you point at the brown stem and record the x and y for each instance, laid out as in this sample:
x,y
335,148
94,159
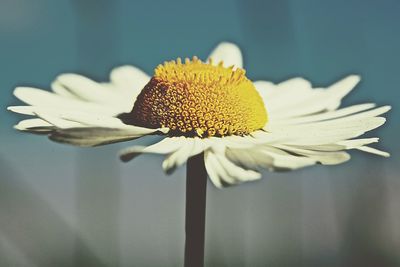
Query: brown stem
x,y
196,189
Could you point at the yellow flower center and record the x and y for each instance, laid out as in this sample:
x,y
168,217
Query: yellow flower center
x,y
194,98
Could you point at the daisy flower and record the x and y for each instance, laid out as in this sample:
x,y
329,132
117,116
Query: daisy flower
x,y
208,107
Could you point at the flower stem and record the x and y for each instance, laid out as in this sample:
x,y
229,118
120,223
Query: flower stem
x,y
196,189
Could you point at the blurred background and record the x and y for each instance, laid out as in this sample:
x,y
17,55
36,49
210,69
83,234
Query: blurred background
x,y
68,206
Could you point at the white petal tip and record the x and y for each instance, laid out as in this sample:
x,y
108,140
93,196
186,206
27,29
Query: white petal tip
x,y
123,68
228,45
18,127
255,176
19,91
374,151
387,108
353,78
167,168
26,110
64,76
356,77
383,154
164,130
347,84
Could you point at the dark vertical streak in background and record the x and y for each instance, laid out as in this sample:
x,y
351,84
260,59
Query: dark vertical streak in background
x,y
98,180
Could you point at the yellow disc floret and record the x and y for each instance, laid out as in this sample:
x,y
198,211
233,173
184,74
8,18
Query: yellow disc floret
x,y
194,98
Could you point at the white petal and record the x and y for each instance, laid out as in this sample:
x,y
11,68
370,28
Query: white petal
x,y
297,85
294,85
129,78
373,151
252,159
350,144
350,122
298,99
341,145
237,173
85,119
61,90
285,161
340,89
84,88
41,98
328,115
366,114
323,157
266,89
223,172
216,172
211,170
229,53
88,90
190,147
359,144
26,110
178,157
178,148
269,158
34,126
321,132
165,146
200,145
95,136
278,158
276,96
235,141
79,118
337,116
50,115
58,122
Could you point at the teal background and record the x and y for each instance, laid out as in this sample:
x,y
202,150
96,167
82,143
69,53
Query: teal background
x,y
67,206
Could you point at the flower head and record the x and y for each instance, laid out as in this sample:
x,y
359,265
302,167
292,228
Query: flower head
x,y
206,106
199,99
